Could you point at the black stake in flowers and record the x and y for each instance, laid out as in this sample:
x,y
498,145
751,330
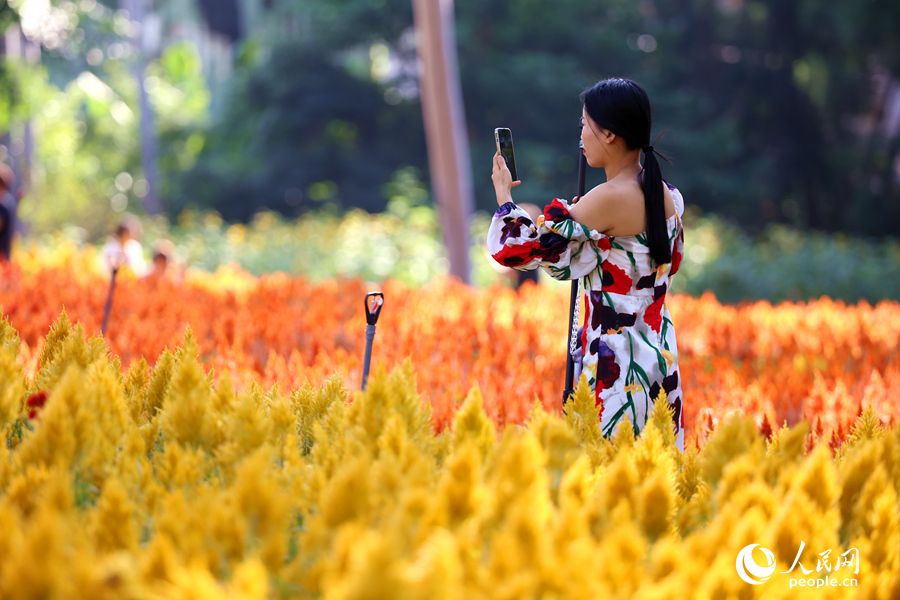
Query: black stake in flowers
x,y
573,299
115,262
374,302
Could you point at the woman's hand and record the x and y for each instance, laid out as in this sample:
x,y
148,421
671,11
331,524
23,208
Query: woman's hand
x,y
502,179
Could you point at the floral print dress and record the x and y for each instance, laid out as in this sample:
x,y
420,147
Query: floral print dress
x,y
626,347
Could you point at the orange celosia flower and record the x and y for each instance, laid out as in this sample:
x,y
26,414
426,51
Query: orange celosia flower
x,y
821,359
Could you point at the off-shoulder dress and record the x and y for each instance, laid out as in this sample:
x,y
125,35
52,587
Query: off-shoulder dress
x,y
627,346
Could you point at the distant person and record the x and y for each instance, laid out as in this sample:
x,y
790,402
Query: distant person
x,y
9,207
124,249
165,263
6,226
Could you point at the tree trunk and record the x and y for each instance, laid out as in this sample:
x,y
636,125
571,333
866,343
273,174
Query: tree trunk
x,y
445,128
13,42
149,145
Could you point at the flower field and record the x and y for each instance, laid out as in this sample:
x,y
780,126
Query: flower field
x,y
822,360
213,446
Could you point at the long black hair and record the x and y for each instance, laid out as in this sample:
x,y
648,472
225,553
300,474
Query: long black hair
x,y
623,107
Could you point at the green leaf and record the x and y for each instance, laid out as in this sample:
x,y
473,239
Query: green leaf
x,y
609,300
634,365
618,415
665,328
659,357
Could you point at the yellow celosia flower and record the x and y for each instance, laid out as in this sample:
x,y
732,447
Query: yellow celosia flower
x,y
731,439
185,419
39,564
259,499
251,581
114,524
649,453
12,388
619,485
868,427
172,485
24,487
159,561
9,337
135,381
471,423
623,436
624,549
113,576
583,417
458,496
59,332
64,426
661,418
280,413
881,545
154,393
436,571
656,503
559,443
818,479
246,429
688,478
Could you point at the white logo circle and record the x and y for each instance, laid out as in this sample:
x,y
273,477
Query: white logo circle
x,y
745,564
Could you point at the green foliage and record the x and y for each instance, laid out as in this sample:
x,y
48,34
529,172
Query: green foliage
x,y
759,98
180,101
301,133
783,263
87,139
404,243
81,101
773,106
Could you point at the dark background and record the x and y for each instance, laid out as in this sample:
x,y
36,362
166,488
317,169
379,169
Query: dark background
x,y
774,111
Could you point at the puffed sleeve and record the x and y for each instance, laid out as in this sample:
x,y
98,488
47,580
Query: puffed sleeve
x,y
567,249
677,249
678,232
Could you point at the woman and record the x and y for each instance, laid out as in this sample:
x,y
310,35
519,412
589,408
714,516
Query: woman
x,y
624,240
124,249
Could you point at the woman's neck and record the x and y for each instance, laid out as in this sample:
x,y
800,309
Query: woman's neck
x,y
628,165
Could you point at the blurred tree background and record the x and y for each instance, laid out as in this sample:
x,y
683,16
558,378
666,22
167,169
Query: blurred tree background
x,y
774,111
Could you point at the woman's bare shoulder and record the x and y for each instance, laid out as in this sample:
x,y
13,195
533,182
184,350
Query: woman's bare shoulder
x,y
598,208
605,206
617,208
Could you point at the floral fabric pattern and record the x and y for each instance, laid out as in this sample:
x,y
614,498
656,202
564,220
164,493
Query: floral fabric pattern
x,y
627,347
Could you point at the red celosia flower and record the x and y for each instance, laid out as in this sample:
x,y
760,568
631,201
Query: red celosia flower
x,y
36,402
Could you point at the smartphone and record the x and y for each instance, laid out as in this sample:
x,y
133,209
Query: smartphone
x,y
503,137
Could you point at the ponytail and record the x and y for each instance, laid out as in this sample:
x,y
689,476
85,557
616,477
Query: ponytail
x,y
655,207
622,106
